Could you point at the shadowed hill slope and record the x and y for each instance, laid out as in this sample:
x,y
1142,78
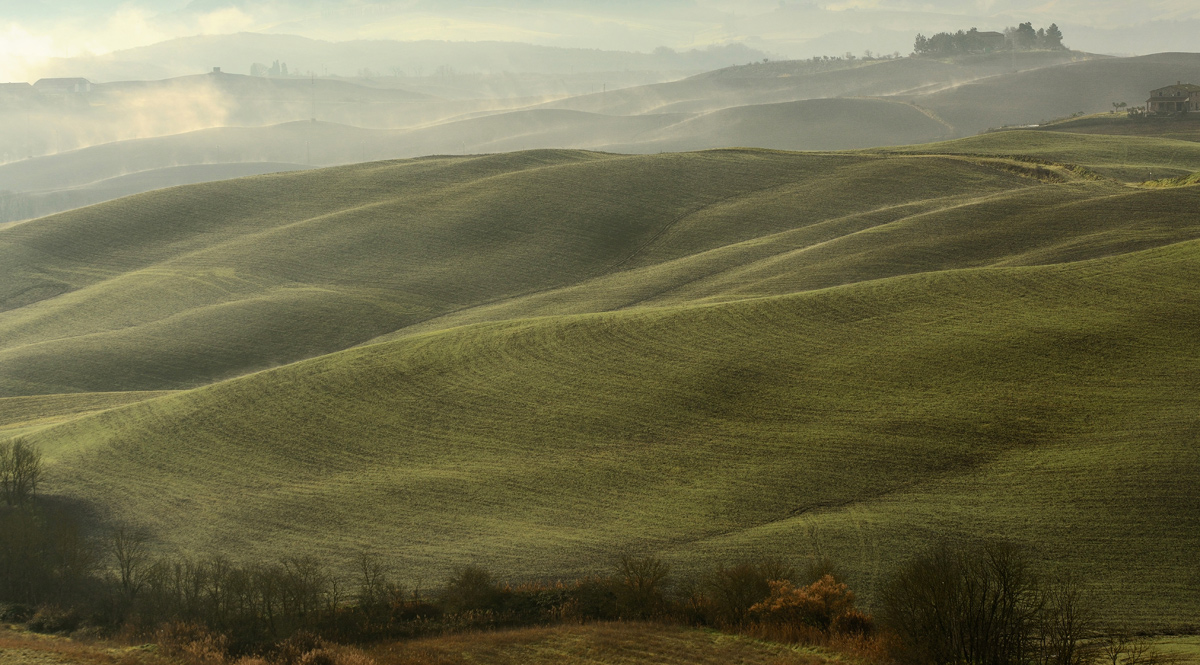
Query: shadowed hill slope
x,y
1041,95
28,205
818,124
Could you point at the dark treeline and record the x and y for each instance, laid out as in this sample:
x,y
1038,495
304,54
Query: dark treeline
x,y
976,604
1022,38
56,580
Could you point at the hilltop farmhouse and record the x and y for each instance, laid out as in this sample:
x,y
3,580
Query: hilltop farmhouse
x,y
63,86
1178,98
20,89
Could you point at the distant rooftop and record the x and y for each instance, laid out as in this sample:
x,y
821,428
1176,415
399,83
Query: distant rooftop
x,y
1189,87
63,85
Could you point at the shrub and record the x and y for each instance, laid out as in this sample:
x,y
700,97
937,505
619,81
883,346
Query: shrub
x,y
853,622
293,650
318,657
815,605
641,592
192,643
592,598
470,588
731,592
51,619
15,612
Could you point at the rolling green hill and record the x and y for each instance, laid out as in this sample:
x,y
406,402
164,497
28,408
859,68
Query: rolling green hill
x,y
182,287
1048,404
534,360
175,288
1184,127
28,205
1126,158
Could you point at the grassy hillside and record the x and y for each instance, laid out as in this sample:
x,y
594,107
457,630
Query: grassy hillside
x,y
20,415
1185,127
28,205
707,355
180,287
1126,158
1048,404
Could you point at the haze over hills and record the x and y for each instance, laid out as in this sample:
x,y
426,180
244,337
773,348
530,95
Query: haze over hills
x,y
236,53
342,323
784,105
792,105
533,360
773,82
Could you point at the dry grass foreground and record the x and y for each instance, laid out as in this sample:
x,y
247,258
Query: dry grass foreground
x,y
615,643
19,647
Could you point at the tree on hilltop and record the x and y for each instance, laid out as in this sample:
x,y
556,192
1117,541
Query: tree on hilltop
x,y
1054,37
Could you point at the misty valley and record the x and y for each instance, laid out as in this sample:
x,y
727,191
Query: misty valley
x,y
407,333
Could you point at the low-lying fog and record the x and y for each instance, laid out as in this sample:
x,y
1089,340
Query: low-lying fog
x,y
93,92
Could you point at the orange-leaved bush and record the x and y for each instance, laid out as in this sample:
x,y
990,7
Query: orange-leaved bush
x,y
817,605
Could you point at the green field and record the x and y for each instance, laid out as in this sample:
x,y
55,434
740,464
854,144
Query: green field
x,y
535,360
1126,158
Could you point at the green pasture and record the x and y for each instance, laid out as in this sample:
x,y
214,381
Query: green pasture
x,y
182,287
1048,405
534,361
1125,158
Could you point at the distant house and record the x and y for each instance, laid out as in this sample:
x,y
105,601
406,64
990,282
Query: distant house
x,y
21,89
62,86
1178,98
991,41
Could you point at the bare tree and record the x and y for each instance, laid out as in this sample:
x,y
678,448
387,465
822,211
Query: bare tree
x,y
971,605
21,472
130,547
372,579
1068,625
1120,646
641,585
1113,644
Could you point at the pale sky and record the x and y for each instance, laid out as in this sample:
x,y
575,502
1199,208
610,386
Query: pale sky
x,y
33,30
